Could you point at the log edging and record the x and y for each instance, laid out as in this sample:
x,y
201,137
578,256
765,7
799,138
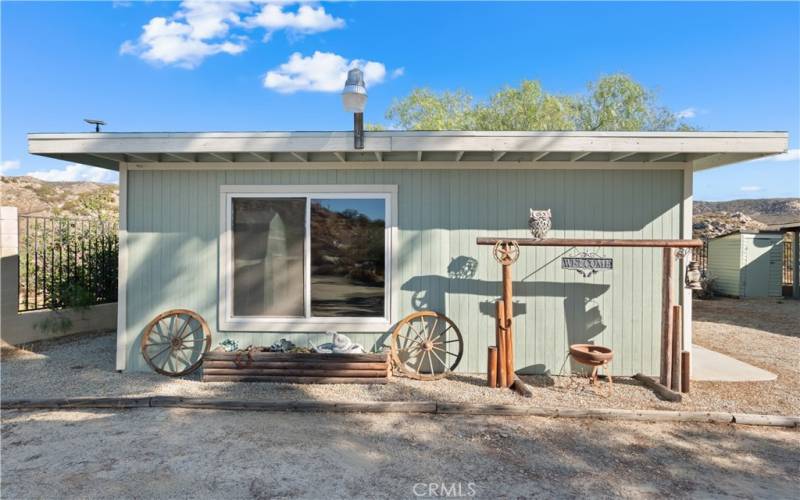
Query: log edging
x,y
430,407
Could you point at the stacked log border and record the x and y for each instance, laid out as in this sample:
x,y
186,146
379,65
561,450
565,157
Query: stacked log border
x,y
296,368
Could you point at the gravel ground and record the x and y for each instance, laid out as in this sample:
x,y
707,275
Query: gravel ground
x,y
764,333
175,453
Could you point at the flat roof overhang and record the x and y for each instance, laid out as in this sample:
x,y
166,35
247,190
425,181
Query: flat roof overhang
x,y
701,149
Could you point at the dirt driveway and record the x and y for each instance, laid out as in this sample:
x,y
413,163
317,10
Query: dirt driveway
x,y
172,453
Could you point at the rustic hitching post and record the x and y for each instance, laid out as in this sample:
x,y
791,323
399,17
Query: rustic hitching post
x,y
666,320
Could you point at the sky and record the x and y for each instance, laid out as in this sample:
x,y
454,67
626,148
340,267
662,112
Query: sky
x,y
202,66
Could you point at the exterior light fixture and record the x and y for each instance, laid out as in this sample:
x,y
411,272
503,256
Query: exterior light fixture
x,y
693,276
354,100
96,123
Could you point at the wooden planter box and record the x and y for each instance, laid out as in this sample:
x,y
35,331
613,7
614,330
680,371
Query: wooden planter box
x,y
296,368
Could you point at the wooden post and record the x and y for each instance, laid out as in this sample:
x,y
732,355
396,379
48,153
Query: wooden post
x,y
676,347
508,301
501,343
666,319
509,358
796,265
492,371
685,370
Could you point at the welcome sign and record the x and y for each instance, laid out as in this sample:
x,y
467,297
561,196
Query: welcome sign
x,y
587,264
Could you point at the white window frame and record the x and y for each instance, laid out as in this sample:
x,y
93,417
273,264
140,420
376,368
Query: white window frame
x,y
229,322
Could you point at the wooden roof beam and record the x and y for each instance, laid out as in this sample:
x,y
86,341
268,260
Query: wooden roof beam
x,y
267,157
661,156
142,157
620,156
540,155
578,155
300,156
222,157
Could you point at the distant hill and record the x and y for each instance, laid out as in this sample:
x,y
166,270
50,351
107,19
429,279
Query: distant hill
x,y
32,196
713,218
766,210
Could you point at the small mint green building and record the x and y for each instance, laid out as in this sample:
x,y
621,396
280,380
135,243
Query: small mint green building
x,y
235,226
747,264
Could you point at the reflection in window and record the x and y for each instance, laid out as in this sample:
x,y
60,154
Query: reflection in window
x,y
268,237
347,257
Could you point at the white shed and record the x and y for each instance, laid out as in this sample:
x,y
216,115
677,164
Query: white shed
x,y
747,264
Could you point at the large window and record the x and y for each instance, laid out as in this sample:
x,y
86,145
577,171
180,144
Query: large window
x,y
306,258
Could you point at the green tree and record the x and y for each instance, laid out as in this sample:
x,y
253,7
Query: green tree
x,y
614,102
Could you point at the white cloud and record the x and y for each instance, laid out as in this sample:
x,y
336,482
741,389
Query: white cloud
x,y
198,30
789,155
8,165
320,72
77,173
750,189
202,28
397,73
686,113
305,20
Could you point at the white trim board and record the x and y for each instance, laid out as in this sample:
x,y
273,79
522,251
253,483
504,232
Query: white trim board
x,y
226,320
687,212
122,272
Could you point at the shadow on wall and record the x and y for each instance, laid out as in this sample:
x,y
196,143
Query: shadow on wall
x,y
583,317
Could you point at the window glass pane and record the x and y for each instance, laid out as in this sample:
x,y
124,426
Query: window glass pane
x,y
268,236
347,257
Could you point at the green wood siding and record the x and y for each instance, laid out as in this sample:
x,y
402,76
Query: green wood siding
x,y
724,264
173,228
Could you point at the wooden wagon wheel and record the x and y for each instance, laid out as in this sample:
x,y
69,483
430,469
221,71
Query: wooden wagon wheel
x,y
175,341
506,252
426,345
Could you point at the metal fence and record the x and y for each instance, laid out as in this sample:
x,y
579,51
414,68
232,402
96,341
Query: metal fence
x,y
66,262
700,255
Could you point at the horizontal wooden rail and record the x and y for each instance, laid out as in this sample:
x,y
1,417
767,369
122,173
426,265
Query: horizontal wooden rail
x,y
511,410
574,242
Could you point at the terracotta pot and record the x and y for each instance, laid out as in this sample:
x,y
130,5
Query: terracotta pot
x,y
590,354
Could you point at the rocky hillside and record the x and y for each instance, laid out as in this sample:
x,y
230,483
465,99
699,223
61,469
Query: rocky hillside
x,y
713,218
766,210
32,196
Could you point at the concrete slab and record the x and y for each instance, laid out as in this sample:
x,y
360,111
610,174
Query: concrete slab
x,y
712,366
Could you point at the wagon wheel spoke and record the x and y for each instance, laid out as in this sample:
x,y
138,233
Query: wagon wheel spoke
x,y
409,339
192,332
186,322
185,358
416,332
439,359
445,331
159,353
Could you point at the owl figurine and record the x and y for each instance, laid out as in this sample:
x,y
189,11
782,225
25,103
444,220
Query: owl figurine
x,y
539,223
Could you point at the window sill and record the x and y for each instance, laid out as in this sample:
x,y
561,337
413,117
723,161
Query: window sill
x,y
318,325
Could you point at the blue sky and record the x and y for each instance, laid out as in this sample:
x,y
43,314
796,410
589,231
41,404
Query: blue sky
x,y
164,66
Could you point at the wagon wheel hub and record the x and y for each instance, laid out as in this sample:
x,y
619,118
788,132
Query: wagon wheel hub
x,y
427,345
176,342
